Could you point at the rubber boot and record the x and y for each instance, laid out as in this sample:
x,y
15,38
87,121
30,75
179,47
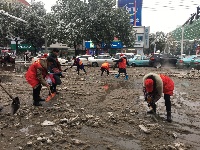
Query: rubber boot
x,y
117,76
126,77
169,117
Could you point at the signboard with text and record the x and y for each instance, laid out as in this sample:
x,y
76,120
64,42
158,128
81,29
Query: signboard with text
x,y
146,37
134,7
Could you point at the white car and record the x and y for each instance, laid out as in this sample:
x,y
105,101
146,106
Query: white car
x,y
62,61
100,59
85,59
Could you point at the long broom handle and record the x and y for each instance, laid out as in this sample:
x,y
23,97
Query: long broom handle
x,y
6,91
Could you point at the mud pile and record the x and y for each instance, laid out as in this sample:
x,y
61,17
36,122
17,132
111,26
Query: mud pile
x,y
96,113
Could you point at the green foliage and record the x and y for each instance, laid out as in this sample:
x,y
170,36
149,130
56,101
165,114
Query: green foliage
x,y
70,22
96,20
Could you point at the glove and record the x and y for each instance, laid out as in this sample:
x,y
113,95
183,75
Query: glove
x,y
149,99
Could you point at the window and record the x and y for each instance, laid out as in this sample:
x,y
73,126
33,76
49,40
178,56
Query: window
x,y
140,38
99,57
138,58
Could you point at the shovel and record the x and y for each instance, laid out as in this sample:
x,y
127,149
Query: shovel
x,y
15,101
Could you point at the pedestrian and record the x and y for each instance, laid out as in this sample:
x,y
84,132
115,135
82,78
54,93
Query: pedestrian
x,y
55,69
79,64
122,62
105,67
35,76
154,86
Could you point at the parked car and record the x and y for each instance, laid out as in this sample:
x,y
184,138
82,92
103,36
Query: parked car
x,y
139,60
61,60
100,59
185,61
195,63
158,59
85,59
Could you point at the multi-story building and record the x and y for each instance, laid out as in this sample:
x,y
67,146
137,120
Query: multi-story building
x,y
20,1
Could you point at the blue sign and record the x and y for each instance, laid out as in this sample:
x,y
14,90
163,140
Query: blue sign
x,y
89,44
116,44
134,7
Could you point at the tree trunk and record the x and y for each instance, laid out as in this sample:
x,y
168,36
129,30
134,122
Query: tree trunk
x,y
17,49
76,53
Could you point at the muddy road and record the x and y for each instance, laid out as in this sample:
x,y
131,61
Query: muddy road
x,y
98,113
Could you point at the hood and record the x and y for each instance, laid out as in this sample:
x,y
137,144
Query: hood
x,y
159,82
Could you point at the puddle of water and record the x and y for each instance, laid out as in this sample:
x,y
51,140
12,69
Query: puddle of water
x,y
121,142
190,138
26,130
128,144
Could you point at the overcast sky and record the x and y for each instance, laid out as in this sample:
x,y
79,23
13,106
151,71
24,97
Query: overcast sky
x,y
160,15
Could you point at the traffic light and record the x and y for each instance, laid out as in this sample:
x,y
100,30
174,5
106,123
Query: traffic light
x,y
198,13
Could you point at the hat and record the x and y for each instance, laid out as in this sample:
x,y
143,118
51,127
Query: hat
x,y
45,55
149,85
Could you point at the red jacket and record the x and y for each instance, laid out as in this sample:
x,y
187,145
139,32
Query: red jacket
x,y
36,73
168,84
123,63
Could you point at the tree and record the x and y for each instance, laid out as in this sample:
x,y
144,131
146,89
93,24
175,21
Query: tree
x,y
11,28
70,20
33,32
158,39
96,20
36,27
106,22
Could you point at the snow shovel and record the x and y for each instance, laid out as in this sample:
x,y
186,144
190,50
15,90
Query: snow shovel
x,y
15,101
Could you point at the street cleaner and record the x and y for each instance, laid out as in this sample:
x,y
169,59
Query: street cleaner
x,y
105,67
35,76
55,70
122,62
153,87
79,64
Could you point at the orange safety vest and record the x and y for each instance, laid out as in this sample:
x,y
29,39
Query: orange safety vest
x,y
105,65
31,74
80,62
122,64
